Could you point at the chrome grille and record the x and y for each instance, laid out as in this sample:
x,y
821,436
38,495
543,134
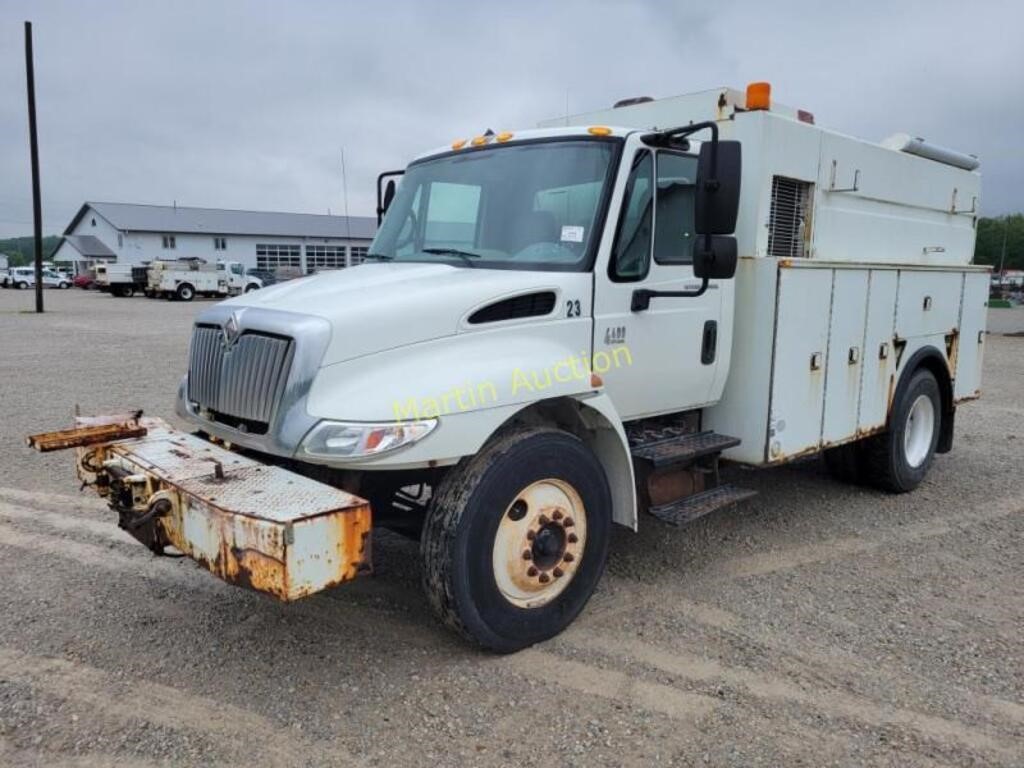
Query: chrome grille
x,y
243,382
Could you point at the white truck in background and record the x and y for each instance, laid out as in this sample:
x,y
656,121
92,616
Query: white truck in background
x,y
184,279
561,330
121,280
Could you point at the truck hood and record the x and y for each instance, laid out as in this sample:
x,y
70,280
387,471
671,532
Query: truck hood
x,y
381,306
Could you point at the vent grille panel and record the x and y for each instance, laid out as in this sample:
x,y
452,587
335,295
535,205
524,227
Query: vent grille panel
x,y
789,220
244,383
527,305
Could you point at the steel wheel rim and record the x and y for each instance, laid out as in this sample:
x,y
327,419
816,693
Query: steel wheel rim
x,y
919,430
539,544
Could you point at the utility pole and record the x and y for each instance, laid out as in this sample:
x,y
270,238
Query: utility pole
x,y
1002,256
33,141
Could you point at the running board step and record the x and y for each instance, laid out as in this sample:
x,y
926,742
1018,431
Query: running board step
x,y
689,508
682,449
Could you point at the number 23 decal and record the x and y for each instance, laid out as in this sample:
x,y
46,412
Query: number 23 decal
x,y
572,308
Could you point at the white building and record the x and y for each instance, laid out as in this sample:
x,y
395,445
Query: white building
x,y
133,234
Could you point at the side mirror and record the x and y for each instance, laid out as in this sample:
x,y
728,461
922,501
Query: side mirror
x,y
385,194
389,195
718,188
717,262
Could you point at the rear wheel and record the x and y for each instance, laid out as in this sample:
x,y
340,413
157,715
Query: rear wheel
x,y
185,292
899,459
517,538
22,285
846,462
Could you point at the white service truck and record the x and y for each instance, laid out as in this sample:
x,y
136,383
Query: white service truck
x,y
184,279
564,329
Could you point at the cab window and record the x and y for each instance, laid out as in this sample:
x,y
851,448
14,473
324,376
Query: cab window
x,y
631,255
674,214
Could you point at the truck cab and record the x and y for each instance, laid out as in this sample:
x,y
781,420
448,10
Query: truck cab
x,y
567,328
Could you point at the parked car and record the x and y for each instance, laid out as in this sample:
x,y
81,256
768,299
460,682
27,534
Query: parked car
x,y
84,280
25,277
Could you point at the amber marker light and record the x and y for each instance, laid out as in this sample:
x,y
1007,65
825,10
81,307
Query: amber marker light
x,y
503,136
458,144
599,130
759,96
479,141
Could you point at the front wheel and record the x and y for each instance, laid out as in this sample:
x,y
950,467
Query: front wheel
x,y
517,538
186,292
22,285
898,460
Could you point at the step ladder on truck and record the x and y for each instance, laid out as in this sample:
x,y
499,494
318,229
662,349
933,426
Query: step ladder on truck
x,y
565,329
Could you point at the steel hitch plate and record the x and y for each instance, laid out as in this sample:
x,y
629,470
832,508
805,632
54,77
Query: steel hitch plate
x,y
251,524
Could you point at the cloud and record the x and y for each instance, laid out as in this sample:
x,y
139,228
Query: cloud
x,y
248,105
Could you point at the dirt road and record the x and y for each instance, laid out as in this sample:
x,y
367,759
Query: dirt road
x,y
818,624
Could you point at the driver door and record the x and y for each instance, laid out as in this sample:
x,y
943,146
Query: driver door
x,y
664,358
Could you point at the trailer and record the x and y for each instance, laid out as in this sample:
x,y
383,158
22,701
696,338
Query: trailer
x,y
562,330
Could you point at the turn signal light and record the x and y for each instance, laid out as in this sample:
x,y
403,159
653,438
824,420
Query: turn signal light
x,y
759,96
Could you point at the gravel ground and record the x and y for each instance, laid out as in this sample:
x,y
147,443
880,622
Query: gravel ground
x,y
818,624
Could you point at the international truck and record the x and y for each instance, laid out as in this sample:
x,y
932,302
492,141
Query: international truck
x,y
561,330
184,279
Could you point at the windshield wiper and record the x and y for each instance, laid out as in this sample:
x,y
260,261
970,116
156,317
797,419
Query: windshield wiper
x,y
464,255
378,256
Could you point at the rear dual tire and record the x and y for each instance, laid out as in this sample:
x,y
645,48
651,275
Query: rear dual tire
x,y
516,539
898,459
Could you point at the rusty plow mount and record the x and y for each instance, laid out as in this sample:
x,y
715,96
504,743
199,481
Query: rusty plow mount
x,y
252,524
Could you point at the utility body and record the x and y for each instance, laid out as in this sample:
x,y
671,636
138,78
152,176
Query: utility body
x,y
563,329
186,278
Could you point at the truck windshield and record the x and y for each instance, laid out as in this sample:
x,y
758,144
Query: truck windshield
x,y
526,206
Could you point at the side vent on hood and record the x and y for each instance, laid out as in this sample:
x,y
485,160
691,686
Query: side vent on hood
x,y
527,305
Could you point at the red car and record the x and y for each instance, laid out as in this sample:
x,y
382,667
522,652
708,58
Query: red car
x,y
84,281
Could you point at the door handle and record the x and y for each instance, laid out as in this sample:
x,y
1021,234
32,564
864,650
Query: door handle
x,y
642,296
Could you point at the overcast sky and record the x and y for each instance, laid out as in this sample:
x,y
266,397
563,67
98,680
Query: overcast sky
x,y
248,105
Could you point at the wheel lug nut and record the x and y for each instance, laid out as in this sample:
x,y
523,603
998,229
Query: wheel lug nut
x,y
543,520
544,578
531,535
573,538
568,557
568,523
557,572
527,554
557,514
531,571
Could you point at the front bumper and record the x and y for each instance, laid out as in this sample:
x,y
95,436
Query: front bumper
x,y
250,524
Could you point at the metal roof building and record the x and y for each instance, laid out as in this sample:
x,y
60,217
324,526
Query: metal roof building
x,y
133,234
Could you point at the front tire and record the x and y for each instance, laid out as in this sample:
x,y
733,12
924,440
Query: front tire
x,y
185,292
898,460
22,285
516,539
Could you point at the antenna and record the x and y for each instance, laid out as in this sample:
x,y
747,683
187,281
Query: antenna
x,y
344,189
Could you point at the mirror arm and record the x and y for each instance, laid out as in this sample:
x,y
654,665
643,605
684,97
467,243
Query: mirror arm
x,y
642,296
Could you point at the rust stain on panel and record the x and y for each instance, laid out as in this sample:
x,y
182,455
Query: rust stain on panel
x,y
80,437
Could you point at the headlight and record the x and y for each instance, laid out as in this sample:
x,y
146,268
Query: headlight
x,y
350,440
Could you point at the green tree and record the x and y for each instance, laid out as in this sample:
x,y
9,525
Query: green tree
x,y
21,250
989,245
